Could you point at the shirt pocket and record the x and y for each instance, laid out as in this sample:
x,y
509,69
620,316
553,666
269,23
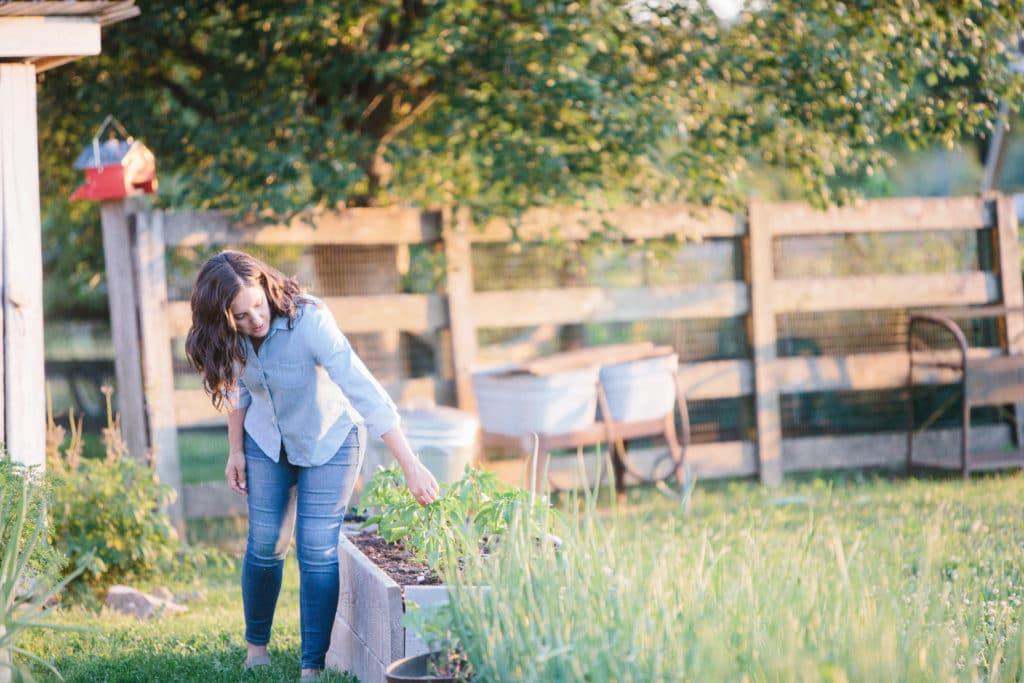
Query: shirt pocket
x,y
294,374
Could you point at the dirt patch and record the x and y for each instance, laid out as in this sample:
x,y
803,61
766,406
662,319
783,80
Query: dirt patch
x,y
394,561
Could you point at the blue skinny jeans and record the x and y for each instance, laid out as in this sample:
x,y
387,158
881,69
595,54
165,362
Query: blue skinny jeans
x,y
312,501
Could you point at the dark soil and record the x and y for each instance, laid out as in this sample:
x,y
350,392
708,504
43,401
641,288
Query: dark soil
x,y
394,560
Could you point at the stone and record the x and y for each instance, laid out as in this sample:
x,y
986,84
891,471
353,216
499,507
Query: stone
x,y
164,593
126,600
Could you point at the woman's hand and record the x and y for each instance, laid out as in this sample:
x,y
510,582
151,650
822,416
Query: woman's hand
x,y
420,481
235,472
418,478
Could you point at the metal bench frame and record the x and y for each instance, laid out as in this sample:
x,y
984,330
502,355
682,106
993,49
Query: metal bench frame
x,y
998,380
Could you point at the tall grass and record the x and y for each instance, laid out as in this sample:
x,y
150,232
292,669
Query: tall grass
x,y
915,581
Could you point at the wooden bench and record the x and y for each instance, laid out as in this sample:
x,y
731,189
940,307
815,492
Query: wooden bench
x,y
982,380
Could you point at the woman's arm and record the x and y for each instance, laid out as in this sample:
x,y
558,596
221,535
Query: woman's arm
x,y
418,478
235,470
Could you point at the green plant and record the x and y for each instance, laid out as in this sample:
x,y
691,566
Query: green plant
x,y
27,566
43,560
913,581
106,511
475,509
434,625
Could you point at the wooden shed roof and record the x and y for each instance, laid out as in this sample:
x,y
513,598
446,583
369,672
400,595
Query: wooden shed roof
x,y
48,33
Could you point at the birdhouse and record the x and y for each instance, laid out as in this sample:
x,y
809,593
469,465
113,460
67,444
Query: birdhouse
x,y
117,167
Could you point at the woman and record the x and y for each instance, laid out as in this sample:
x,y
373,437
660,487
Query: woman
x,y
300,402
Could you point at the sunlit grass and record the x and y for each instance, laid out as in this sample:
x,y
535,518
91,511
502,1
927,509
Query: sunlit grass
x,y
876,581
203,644
852,578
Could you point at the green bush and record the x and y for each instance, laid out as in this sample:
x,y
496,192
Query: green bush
x,y
109,510
106,514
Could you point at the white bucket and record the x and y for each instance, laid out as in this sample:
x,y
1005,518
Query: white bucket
x,y
444,438
517,403
641,389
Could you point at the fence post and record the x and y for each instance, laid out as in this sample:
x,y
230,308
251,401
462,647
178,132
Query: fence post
x,y
124,325
23,425
1012,288
459,289
760,273
158,369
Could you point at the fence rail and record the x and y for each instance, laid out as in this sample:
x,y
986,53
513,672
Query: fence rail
x,y
452,319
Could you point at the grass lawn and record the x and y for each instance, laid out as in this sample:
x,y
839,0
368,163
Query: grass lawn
x,y
841,579
844,578
203,644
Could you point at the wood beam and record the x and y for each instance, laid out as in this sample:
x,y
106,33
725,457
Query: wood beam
x,y
28,38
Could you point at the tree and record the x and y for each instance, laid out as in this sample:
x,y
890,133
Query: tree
x,y
270,108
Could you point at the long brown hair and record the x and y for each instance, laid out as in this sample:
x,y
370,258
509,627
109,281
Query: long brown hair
x,y
214,346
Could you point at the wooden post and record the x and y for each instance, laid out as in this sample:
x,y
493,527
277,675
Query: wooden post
x,y
124,324
459,288
158,368
1012,288
764,339
23,377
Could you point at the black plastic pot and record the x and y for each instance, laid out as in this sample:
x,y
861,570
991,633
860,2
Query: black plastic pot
x,y
414,668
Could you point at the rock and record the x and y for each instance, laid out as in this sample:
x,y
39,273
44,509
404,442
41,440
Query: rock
x,y
194,596
126,600
164,593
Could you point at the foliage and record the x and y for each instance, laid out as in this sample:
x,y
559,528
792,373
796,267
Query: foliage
x,y
16,480
475,509
910,581
27,567
274,108
105,513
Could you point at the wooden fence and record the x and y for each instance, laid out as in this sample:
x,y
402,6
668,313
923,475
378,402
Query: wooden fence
x,y
760,294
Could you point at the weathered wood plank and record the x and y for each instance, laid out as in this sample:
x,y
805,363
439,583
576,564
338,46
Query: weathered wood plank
x,y
8,116
706,461
345,226
420,313
861,372
683,222
192,407
212,500
884,291
1008,252
882,450
593,304
24,401
124,324
30,37
875,215
763,307
158,366
462,320
857,372
717,379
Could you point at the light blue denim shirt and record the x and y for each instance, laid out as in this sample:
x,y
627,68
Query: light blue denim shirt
x,y
306,389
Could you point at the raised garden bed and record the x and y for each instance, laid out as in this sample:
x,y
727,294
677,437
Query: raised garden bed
x,y
368,633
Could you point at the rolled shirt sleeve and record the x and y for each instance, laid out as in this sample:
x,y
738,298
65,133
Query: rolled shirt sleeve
x,y
239,398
